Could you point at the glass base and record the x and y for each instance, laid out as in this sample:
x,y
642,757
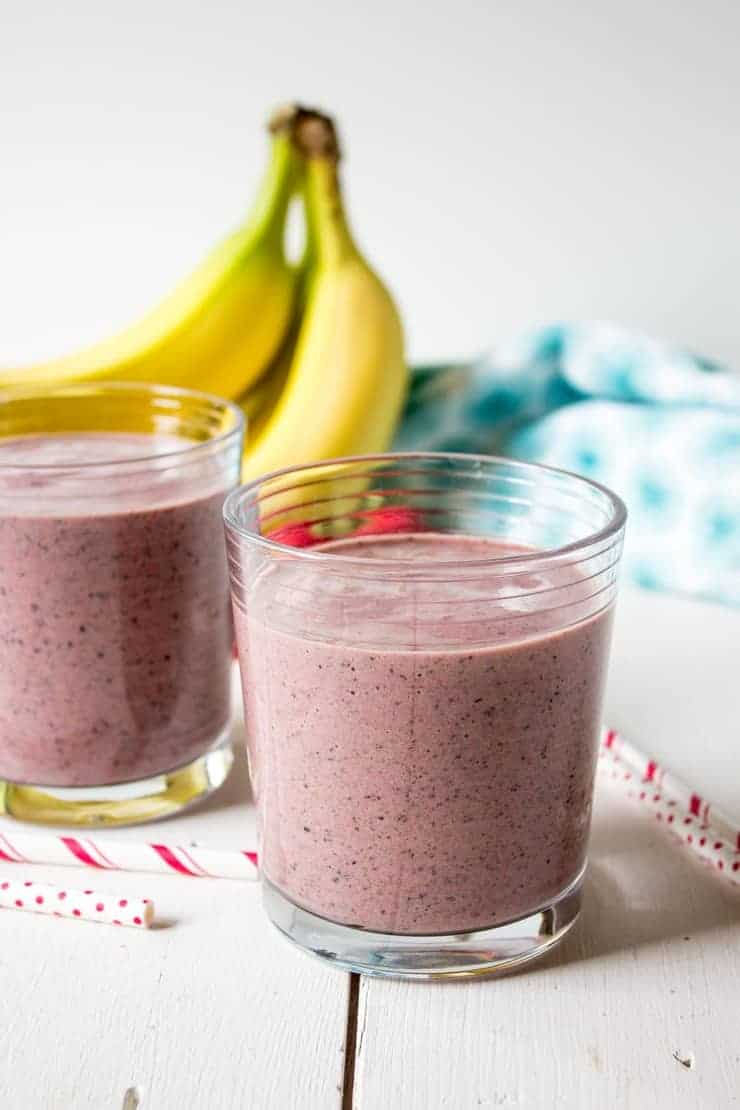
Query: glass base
x,y
483,952
126,803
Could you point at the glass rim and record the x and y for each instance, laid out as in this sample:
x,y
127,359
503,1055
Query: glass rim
x,y
608,531
148,389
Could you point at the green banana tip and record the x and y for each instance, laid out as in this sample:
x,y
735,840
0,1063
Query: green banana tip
x,y
312,131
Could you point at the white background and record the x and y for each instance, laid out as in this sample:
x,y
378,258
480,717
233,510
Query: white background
x,y
506,162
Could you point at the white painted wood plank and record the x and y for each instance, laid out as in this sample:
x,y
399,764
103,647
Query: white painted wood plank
x,y
601,1022
213,1010
598,1023
674,689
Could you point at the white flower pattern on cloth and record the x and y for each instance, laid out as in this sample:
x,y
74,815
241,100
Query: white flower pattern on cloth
x,y
658,425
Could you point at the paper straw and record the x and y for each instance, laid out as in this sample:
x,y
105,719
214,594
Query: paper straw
x,y
128,855
704,829
84,905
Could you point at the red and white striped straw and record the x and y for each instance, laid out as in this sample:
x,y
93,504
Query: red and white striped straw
x,y
701,826
708,832
83,905
126,855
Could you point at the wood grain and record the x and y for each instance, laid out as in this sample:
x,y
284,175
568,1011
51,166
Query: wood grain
x,y
212,1010
640,1006
649,978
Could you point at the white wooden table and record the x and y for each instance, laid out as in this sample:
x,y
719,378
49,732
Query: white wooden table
x,y
213,1010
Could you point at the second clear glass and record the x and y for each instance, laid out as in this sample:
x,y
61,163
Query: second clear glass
x,y
423,642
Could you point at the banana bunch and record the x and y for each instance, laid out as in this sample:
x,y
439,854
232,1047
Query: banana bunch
x,y
312,352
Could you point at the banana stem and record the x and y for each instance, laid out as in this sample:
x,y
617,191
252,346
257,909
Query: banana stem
x,y
314,137
329,233
310,251
279,184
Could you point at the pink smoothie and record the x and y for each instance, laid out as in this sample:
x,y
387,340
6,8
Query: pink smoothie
x,y
405,785
115,634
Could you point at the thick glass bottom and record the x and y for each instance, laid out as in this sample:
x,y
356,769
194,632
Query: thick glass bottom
x,y
129,803
484,952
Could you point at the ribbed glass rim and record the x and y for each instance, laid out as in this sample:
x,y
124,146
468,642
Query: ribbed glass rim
x,y
236,499
147,390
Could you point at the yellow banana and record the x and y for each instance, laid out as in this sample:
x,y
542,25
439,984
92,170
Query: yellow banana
x,y
347,380
218,330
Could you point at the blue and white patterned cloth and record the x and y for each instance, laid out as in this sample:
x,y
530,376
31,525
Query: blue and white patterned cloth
x,y
658,425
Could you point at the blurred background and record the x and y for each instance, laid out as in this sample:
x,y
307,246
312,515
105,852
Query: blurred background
x,y
506,164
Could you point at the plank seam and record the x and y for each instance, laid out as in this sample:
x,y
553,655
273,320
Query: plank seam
x,y
350,1043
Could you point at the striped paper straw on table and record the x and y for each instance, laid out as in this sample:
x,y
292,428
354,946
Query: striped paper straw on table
x,y
84,905
128,855
701,826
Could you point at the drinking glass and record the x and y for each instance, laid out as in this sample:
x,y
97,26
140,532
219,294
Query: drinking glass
x,y
116,637
423,641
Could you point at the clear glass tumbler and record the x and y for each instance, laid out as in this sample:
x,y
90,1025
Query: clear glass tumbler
x,y
115,631
423,640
